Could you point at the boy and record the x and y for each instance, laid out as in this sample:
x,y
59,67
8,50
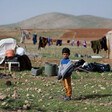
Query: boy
x,y
67,79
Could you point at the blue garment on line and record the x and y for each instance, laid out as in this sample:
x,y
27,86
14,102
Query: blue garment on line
x,y
59,42
49,41
34,39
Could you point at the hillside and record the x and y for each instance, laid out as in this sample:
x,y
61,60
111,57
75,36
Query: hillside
x,y
61,21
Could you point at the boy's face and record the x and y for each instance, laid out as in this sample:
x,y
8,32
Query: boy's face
x,y
65,55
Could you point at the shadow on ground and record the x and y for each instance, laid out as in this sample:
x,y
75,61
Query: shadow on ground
x,y
92,96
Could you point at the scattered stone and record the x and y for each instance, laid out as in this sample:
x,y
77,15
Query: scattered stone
x,y
26,80
85,108
46,85
43,96
43,106
15,88
26,101
28,95
102,74
23,83
8,89
28,105
103,88
109,74
47,94
25,106
2,97
9,95
110,103
39,91
3,103
27,89
40,100
33,95
31,89
15,95
48,104
101,104
83,97
35,88
50,97
19,110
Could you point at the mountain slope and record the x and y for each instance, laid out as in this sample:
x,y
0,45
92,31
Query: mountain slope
x,y
60,20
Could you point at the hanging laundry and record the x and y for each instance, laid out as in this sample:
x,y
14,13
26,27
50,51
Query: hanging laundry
x,y
54,41
59,42
96,46
49,41
103,43
84,43
68,41
78,43
42,42
34,39
25,35
72,43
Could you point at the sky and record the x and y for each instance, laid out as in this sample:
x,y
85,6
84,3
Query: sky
x,y
12,11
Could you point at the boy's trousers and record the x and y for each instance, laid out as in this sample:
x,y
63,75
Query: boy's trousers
x,y
67,86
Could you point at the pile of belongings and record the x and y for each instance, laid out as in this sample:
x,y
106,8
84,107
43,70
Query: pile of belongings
x,y
81,65
92,67
25,63
5,76
80,55
97,45
87,56
11,52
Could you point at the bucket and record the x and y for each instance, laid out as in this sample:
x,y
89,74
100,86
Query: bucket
x,y
10,53
36,71
50,69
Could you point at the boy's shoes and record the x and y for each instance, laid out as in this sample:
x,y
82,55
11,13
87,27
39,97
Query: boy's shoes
x,y
64,97
67,98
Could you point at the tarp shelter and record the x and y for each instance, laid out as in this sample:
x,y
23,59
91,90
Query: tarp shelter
x,y
109,44
6,44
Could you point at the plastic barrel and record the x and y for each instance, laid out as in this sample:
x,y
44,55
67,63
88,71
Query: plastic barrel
x,y
50,69
10,53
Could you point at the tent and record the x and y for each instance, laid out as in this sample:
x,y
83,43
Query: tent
x,y
5,44
109,44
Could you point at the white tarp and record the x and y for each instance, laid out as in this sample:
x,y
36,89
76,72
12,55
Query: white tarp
x,y
109,44
20,51
5,44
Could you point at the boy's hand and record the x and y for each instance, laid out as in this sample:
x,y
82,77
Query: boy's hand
x,y
59,77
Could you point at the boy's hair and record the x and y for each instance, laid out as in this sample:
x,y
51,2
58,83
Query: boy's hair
x,y
66,50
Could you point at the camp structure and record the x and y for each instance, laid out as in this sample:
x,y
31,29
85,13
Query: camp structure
x,y
6,44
